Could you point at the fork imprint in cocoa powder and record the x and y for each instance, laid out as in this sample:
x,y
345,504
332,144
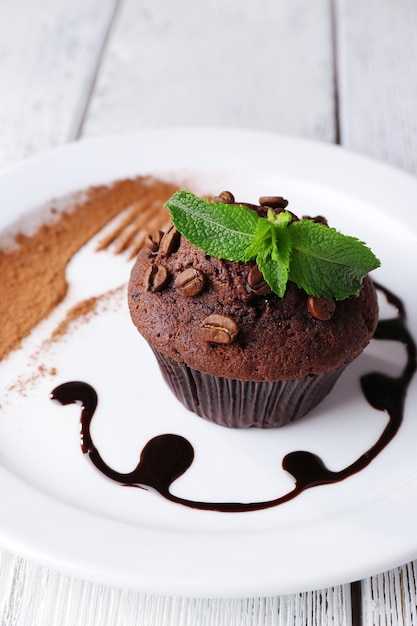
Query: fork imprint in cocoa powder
x,y
101,266
128,232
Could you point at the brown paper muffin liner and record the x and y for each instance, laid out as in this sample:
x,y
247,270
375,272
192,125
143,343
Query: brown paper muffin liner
x,y
240,404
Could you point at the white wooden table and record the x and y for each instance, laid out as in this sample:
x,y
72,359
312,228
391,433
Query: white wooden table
x,y
340,71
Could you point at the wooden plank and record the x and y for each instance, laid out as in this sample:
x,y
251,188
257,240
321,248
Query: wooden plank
x,y
263,65
49,54
377,78
390,599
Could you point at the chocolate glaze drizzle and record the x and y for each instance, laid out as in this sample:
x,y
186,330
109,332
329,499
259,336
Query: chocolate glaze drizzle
x,y
166,457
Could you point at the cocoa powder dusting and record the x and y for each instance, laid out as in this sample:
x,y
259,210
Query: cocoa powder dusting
x,y
32,275
79,314
81,311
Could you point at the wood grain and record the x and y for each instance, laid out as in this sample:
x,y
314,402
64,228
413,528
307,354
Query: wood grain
x,y
264,65
34,596
377,79
49,55
390,599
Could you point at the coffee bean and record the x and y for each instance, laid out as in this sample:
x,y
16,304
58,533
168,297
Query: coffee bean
x,y
273,202
321,308
218,328
257,283
319,219
253,207
226,197
148,277
156,278
277,204
190,282
150,244
153,241
169,242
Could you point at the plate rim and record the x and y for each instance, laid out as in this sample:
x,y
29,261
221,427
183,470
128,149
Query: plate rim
x,y
203,586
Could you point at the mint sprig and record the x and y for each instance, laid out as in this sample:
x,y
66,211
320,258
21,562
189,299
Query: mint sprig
x,y
222,230
320,260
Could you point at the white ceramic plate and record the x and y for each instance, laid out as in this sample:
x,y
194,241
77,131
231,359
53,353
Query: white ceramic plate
x,y
60,511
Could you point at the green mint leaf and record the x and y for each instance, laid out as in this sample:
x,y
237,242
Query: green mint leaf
x,y
326,263
261,239
279,219
222,230
318,259
274,260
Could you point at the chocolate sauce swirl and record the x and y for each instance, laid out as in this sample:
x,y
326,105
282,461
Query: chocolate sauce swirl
x,y
166,457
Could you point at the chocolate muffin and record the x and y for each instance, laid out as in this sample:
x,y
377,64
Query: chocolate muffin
x,y
230,349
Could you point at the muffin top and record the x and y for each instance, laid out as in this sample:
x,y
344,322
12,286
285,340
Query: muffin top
x,y
220,317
